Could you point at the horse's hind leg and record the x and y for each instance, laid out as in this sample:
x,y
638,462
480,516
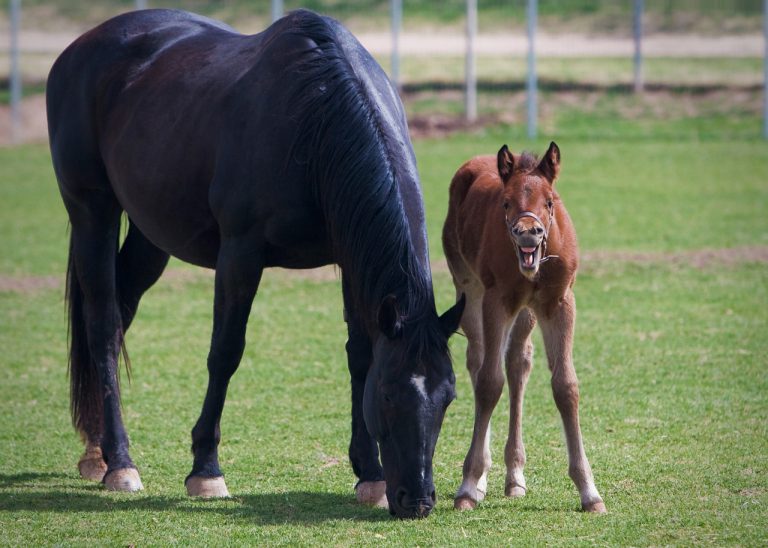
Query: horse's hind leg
x,y
97,335
486,324
139,265
519,362
557,326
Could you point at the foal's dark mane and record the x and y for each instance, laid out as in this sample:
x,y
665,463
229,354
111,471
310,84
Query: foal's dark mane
x,y
527,161
349,160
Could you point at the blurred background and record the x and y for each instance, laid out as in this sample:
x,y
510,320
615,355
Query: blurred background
x,y
602,68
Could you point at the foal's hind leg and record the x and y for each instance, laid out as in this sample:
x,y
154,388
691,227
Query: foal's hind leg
x,y
519,363
486,326
139,265
557,325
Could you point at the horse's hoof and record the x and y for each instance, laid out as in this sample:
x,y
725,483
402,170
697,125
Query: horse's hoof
x,y
514,491
372,493
123,479
594,507
464,503
207,488
92,465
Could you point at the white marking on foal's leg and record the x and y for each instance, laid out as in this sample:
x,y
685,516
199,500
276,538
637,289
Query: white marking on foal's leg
x,y
418,382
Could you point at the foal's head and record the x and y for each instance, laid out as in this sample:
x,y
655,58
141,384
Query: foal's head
x,y
529,203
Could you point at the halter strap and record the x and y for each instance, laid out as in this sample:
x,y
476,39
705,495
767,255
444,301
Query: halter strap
x,y
533,216
536,218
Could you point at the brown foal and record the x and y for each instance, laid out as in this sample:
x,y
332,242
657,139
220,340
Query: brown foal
x,y
511,248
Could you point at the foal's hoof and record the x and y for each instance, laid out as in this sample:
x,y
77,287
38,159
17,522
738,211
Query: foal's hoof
x,y
91,465
464,503
372,493
594,507
207,488
514,491
123,479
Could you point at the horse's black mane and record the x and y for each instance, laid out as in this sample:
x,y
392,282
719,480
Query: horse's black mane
x,y
343,141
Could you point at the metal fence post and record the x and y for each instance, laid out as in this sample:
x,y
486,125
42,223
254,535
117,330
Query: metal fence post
x,y
277,10
470,93
397,23
765,69
531,79
15,76
637,27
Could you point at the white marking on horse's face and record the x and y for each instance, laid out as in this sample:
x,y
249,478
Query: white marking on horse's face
x,y
418,382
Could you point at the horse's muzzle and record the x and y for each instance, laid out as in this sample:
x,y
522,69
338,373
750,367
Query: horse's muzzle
x,y
406,507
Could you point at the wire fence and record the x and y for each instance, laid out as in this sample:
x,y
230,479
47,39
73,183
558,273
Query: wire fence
x,y
470,61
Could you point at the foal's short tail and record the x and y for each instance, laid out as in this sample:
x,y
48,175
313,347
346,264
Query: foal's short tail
x,y
86,402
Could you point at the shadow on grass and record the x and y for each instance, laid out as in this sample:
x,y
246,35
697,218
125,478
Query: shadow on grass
x,y
50,492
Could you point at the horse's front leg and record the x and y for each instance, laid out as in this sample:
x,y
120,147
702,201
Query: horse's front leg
x,y
238,272
363,450
557,324
486,327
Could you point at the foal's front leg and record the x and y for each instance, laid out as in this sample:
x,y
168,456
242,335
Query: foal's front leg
x,y
557,326
519,363
238,272
488,383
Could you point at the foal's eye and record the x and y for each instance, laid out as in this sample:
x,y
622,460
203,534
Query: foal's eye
x,y
506,206
549,204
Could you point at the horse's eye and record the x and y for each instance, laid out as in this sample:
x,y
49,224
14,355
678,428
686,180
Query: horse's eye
x,y
549,204
506,205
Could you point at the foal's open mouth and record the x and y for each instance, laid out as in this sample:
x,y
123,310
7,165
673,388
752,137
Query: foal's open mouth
x,y
529,258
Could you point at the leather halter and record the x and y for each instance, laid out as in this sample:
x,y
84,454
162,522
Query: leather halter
x,y
511,224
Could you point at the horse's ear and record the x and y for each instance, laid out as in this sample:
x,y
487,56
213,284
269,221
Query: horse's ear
x,y
505,162
449,321
550,163
390,320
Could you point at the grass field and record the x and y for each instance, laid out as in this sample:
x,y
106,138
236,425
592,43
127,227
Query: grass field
x,y
670,348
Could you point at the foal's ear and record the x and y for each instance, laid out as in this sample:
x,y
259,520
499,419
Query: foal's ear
x,y
550,163
390,320
505,162
449,321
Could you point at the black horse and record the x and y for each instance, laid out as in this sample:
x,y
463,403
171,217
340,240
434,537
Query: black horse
x,y
287,148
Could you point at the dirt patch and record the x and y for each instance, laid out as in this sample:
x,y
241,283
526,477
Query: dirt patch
x,y
590,260
28,285
34,124
700,258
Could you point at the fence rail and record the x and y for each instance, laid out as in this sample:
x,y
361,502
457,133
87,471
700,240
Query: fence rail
x,y
474,44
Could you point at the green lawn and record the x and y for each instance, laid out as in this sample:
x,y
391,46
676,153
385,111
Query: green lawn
x,y
671,357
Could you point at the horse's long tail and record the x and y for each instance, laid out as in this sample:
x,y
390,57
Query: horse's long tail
x,y
86,402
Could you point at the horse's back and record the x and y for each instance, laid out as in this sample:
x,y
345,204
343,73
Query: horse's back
x,y
159,104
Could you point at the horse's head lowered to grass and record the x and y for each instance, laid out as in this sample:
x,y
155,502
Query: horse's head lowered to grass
x,y
408,389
